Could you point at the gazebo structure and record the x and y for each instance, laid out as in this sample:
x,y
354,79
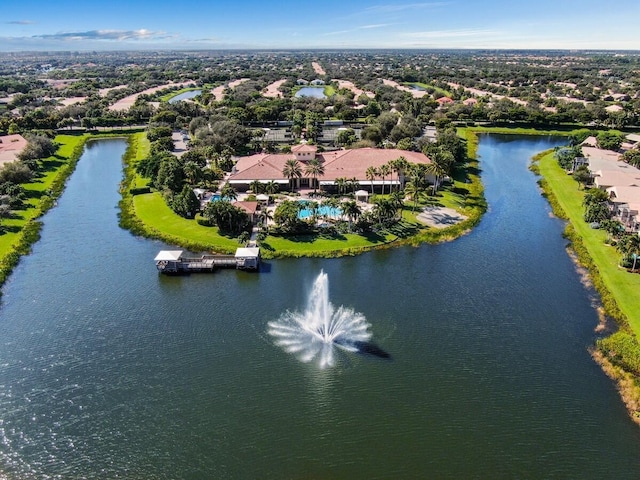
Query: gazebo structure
x,y
362,196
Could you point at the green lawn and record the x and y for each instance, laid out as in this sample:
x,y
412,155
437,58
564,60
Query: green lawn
x,y
40,186
329,91
153,211
623,286
442,91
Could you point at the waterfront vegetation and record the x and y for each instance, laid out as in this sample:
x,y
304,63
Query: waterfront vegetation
x,y
147,214
430,88
22,229
619,353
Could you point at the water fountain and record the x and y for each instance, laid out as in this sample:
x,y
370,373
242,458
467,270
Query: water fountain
x,y
320,329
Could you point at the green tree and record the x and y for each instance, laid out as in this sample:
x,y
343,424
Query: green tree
x,y
352,211
271,187
186,203
170,175
629,246
341,185
192,172
632,157
228,192
610,140
314,169
416,192
228,218
286,214
256,186
371,174
38,146
292,170
384,171
582,175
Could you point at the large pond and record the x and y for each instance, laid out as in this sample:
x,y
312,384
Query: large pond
x,y
109,370
315,92
185,96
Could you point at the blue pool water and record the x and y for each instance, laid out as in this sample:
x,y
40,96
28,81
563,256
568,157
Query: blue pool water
x,y
323,210
215,197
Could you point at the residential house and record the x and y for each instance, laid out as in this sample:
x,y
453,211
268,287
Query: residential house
x,y
10,147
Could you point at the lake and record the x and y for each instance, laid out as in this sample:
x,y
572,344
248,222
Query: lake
x,y
315,92
110,370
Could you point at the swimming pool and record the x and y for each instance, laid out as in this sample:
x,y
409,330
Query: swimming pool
x,y
323,211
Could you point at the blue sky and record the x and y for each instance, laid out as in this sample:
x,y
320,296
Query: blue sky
x,y
285,24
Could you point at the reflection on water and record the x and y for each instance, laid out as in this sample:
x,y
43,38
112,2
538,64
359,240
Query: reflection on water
x,y
109,370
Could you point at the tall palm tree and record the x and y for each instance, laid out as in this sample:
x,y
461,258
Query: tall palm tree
x,y
629,246
228,192
351,210
192,172
400,165
385,170
314,169
438,172
416,192
256,186
271,187
292,170
341,184
397,200
353,183
371,174
264,217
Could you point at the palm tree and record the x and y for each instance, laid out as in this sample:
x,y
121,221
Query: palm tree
x,y
438,172
264,217
341,184
192,172
629,246
401,165
383,209
271,187
314,169
228,192
291,171
397,200
353,183
371,174
352,211
416,192
256,186
384,170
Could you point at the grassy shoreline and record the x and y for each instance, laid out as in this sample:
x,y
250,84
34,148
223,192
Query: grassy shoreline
x,y
147,215
24,229
618,354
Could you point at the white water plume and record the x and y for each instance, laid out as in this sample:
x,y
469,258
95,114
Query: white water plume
x,y
316,332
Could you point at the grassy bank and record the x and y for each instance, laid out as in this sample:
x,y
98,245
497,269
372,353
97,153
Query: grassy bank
x,y
618,354
441,91
23,229
618,288
148,215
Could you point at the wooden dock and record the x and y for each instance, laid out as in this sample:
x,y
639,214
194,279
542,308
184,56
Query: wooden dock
x,y
175,262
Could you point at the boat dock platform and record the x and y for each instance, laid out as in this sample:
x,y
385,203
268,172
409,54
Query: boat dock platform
x,y
175,262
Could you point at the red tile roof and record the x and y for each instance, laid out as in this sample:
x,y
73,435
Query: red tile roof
x,y
341,163
10,147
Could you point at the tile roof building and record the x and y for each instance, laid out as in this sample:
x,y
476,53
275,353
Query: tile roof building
x,y
347,164
10,147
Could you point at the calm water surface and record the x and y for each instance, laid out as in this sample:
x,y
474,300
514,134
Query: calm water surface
x,y
185,96
108,370
315,92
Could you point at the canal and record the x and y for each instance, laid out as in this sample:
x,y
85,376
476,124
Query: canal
x,y
109,370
